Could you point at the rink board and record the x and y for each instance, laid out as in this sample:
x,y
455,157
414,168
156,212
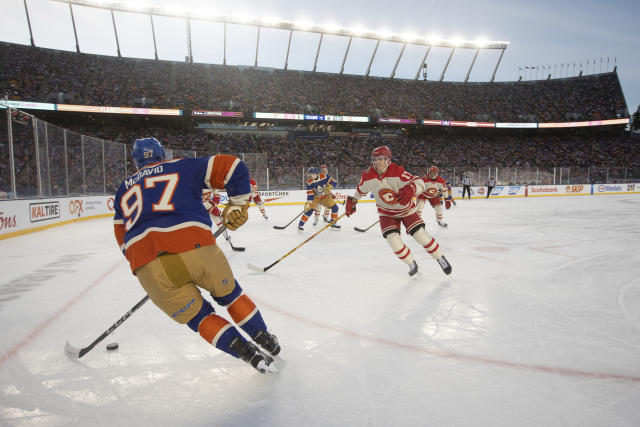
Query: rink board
x,y
18,217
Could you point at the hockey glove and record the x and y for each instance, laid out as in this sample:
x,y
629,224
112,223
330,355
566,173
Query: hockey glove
x,y
234,216
215,211
350,207
406,193
447,203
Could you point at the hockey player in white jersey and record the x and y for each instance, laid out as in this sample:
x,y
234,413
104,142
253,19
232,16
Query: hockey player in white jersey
x,y
394,189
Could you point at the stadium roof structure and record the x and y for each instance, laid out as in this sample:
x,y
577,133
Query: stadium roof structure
x,y
290,27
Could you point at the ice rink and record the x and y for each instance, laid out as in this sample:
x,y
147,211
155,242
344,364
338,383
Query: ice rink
x,y
538,325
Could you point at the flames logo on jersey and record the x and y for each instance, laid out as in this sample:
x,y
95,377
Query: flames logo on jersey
x,y
431,192
388,196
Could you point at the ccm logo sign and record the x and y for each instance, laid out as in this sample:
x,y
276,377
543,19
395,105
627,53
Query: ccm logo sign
x,y
44,211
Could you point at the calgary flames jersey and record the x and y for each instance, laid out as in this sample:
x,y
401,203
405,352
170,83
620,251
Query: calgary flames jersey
x,y
254,187
385,189
433,187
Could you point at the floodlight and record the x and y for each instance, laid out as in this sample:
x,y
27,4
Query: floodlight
x,y
408,37
205,14
270,21
136,5
175,9
434,39
357,31
303,24
456,41
331,27
385,33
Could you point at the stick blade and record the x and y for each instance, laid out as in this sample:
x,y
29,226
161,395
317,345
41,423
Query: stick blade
x,y
359,229
255,268
238,248
279,227
72,352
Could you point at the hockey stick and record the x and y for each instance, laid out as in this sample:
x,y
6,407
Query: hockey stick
x,y
77,353
235,248
262,270
363,230
278,227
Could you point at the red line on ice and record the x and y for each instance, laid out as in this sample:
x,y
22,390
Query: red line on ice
x,y
465,357
44,325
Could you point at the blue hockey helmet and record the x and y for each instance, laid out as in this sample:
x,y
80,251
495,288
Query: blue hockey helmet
x,y
311,171
146,151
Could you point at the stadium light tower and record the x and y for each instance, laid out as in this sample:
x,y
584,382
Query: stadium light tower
x,y
291,26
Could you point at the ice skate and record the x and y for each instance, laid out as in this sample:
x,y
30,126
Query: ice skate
x,y
443,224
326,219
267,341
253,356
315,221
444,264
413,268
300,229
335,227
266,218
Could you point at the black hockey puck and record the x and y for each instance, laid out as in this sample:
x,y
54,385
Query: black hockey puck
x,y
113,346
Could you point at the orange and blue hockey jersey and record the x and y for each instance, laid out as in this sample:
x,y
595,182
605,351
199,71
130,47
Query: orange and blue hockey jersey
x,y
159,209
316,187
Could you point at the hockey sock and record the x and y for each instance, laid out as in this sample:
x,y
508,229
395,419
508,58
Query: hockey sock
x,y
213,328
399,248
429,243
261,207
305,217
243,311
438,209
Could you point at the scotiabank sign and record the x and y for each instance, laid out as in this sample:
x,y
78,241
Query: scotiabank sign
x,y
543,189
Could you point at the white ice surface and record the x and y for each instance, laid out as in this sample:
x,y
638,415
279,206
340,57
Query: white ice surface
x,y
538,325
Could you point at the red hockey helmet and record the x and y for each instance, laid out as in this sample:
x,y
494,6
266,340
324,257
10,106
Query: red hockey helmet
x,y
324,168
383,151
433,172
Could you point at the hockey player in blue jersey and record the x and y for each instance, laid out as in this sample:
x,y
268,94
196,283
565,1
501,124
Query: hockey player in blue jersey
x,y
316,197
164,231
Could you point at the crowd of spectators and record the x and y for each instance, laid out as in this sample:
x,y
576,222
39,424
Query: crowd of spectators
x,y
31,73
34,74
287,155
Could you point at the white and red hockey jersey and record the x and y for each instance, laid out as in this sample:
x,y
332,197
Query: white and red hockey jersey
x,y
254,188
434,188
385,189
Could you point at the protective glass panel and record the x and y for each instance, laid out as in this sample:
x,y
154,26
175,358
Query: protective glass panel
x,y
24,149
93,165
74,163
5,162
115,161
56,160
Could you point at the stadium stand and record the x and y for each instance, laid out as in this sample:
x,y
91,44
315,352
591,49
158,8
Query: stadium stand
x,y
44,75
